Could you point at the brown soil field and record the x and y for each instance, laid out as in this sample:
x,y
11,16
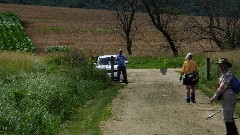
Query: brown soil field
x,y
91,31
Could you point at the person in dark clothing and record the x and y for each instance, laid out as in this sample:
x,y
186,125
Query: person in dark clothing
x,y
121,58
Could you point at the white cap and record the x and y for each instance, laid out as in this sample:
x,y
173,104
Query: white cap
x,y
189,56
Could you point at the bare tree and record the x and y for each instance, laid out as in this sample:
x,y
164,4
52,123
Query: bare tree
x,y
220,25
163,20
125,11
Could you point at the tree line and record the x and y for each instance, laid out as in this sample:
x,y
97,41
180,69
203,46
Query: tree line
x,y
192,7
218,22
93,4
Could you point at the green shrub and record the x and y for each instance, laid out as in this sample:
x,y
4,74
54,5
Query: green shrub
x,y
58,48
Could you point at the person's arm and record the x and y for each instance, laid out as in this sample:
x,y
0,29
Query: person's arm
x,y
197,71
182,71
117,58
224,84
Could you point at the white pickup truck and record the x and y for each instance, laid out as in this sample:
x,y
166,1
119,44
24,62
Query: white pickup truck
x,y
104,62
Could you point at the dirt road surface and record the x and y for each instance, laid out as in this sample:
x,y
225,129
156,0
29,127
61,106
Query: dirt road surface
x,y
153,103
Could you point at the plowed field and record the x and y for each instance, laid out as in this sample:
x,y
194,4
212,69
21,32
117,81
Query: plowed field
x,y
94,31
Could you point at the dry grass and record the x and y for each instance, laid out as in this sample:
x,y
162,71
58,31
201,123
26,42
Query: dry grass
x,y
91,31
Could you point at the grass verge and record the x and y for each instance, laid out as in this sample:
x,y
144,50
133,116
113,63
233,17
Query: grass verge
x,y
88,119
38,93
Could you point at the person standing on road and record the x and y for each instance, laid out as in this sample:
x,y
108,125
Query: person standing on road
x,y
121,58
227,95
190,72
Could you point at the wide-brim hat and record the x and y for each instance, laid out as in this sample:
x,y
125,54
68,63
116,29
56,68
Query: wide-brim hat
x,y
224,61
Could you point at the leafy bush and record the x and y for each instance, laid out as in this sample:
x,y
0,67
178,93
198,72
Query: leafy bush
x,y
56,48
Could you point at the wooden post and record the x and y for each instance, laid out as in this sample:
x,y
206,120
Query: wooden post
x,y
112,68
208,68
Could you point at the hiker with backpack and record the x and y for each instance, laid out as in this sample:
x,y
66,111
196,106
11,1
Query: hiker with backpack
x,y
191,76
227,96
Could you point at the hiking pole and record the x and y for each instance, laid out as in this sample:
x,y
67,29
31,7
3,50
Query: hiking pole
x,y
217,112
214,114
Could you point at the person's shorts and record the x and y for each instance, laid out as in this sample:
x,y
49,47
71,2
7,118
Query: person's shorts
x,y
190,79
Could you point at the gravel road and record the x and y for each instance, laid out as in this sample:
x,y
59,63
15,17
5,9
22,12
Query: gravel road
x,y
153,103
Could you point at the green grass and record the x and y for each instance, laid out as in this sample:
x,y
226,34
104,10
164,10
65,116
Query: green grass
x,y
53,29
39,93
160,62
89,117
100,30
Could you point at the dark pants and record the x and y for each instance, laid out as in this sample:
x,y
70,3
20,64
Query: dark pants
x,y
122,69
231,128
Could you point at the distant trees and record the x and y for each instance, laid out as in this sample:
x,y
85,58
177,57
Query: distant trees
x,y
220,25
162,16
94,4
163,19
124,11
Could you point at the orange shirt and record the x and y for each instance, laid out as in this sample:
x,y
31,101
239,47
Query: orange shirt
x,y
189,66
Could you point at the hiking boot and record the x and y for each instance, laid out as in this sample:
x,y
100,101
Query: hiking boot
x,y
188,99
231,128
193,100
193,97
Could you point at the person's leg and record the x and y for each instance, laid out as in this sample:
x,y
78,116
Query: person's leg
x,y
125,75
188,93
229,104
235,128
231,128
193,93
118,73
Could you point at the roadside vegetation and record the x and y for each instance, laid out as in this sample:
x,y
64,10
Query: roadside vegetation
x,y
40,93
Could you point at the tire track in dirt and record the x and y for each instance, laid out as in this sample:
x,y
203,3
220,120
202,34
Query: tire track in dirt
x,y
154,104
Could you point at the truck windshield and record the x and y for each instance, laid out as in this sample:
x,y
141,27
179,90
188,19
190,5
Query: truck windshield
x,y
106,61
103,61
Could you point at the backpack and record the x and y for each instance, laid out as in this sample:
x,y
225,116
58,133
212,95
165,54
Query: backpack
x,y
235,84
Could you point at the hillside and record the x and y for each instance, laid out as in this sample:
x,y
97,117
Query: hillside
x,y
90,30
